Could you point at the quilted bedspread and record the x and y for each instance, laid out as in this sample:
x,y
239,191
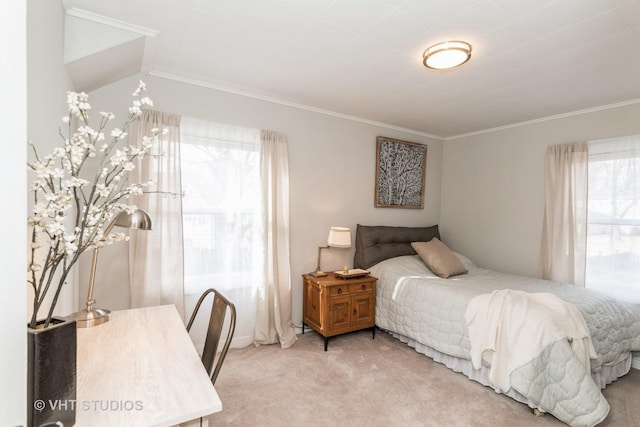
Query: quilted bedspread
x,y
413,302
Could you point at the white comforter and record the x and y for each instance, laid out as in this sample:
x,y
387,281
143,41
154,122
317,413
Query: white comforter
x,y
416,304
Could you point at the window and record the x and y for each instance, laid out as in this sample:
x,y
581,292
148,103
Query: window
x,y
613,224
221,216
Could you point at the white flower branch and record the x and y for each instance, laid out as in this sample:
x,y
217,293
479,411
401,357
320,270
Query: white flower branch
x,y
61,192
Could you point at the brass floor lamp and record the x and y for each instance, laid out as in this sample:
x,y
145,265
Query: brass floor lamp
x,y
92,316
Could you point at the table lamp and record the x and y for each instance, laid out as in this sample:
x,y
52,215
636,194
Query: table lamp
x,y
339,237
92,316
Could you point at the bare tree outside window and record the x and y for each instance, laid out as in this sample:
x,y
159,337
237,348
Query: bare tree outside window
x,y
400,173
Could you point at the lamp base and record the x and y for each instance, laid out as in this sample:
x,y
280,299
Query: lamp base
x,y
318,273
93,317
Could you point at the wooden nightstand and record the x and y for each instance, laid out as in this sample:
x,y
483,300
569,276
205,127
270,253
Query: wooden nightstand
x,y
333,306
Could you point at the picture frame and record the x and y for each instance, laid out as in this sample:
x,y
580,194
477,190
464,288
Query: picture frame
x,y
401,168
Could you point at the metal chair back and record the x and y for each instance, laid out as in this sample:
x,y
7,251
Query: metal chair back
x,y
219,309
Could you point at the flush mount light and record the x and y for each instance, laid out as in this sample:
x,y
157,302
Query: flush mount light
x,y
446,55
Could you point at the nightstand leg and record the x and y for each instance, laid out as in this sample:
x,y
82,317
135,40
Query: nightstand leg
x,y
302,328
326,342
373,332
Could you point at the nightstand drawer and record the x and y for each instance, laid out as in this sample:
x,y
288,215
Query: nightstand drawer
x,y
361,287
351,288
339,290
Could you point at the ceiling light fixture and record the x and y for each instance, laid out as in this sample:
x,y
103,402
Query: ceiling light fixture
x,y
446,55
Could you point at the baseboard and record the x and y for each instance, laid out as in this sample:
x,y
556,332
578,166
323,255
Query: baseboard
x,y
635,362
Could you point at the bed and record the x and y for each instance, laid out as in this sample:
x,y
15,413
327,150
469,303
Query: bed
x,y
427,312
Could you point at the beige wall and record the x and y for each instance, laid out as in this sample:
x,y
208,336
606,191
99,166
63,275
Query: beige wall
x,y
332,167
47,86
13,312
34,85
493,185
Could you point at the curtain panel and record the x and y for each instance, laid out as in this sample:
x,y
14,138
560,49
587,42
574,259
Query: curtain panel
x,y
273,317
613,233
156,265
564,229
222,220
236,225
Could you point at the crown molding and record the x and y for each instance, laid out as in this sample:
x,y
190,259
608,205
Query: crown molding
x,y
248,94
101,19
545,119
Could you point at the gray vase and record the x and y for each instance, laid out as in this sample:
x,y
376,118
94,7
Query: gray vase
x,y
51,386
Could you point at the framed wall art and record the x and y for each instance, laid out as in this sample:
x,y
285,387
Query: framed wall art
x,y
400,173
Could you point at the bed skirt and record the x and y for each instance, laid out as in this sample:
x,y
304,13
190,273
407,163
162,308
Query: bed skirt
x,y
607,375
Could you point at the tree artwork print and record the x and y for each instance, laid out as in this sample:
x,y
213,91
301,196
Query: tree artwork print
x,y
400,173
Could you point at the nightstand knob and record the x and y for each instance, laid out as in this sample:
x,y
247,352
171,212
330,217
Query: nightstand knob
x,y
339,290
364,287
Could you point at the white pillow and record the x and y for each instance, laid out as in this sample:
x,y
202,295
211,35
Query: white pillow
x,y
468,264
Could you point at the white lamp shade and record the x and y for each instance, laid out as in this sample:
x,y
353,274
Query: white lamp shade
x,y
339,237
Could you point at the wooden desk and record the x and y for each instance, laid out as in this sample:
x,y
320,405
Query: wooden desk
x,y
141,369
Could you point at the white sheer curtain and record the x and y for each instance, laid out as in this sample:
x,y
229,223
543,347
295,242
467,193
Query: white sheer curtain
x,y
222,220
613,239
156,256
273,321
564,230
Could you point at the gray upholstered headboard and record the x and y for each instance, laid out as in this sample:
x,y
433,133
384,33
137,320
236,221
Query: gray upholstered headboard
x,y
379,242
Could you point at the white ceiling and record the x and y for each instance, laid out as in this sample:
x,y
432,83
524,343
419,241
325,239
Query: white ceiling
x,y
531,58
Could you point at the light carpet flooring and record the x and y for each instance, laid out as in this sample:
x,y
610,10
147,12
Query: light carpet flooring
x,y
381,382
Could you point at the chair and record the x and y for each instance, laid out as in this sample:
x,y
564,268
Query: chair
x,y
214,331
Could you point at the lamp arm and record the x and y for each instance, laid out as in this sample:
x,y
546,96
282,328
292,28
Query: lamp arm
x,y
110,227
92,279
94,263
320,248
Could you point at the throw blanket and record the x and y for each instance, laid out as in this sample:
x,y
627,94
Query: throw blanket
x,y
515,327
